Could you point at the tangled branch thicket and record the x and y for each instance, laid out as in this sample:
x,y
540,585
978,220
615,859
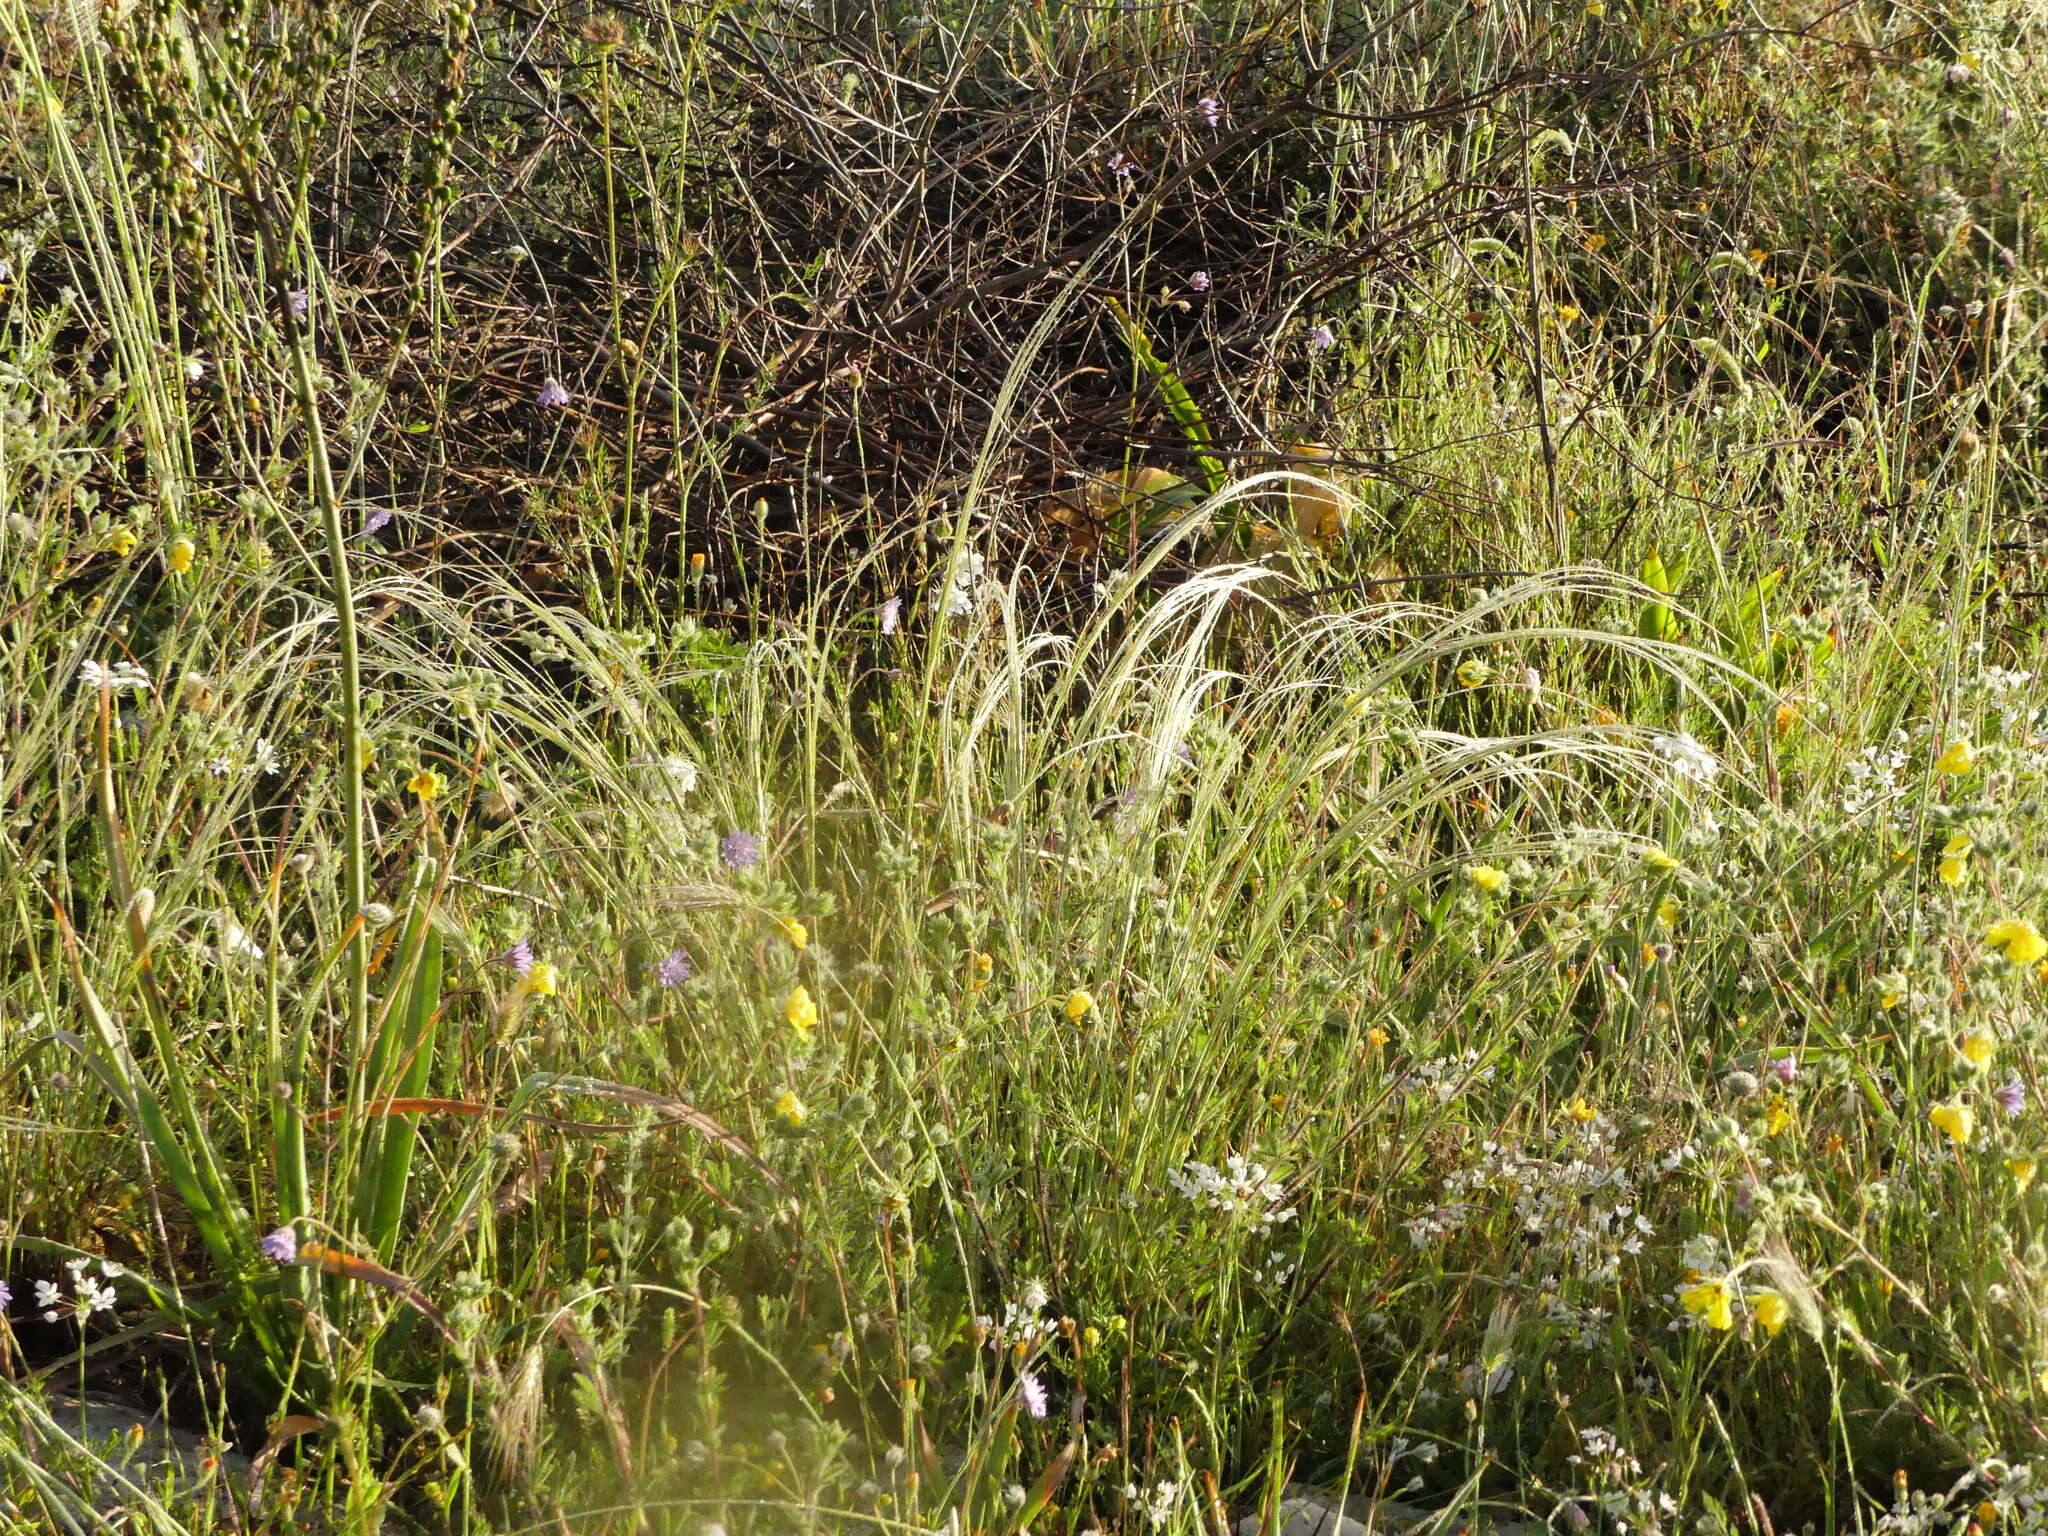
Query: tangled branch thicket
x,y
809,273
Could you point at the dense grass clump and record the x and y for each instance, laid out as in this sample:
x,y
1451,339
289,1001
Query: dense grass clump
x,y
1052,768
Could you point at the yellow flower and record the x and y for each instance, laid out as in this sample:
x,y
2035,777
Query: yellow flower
x,y
121,542
1472,672
1659,860
1567,313
1890,1000
798,935
800,1010
427,784
980,967
1580,1110
1486,877
1960,758
1770,1309
1954,1121
180,555
1078,1006
1978,1048
1953,870
1779,1119
2022,1171
1667,911
790,1108
541,980
1377,1037
2020,939
1596,9
1986,1513
1710,1301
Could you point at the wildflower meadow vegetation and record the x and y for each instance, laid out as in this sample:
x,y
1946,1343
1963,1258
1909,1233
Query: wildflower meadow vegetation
x,y
1133,769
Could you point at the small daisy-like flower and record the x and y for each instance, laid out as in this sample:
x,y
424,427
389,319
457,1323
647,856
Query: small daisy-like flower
x,y
1473,672
1486,877
1322,338
1711,1302
1955,1121
1770,1309
740,850
1211,110
789,1109
1031,1395
1978,1048
542,980
1959,759
1078,1006
427,784
518,959
122,542
280,1244
673,969
179,556
2012,1096
48,1299
552,396
1198,282
6,1296
798,935
2020,939
801,1009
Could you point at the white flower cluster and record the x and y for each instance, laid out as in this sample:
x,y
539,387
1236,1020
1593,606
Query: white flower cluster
x,y
256,755
1877,777
121,677
1618,1489
1685,759
1580,1208
1022,1327
1239,1187
90,1293
1447,1076
966,588
1157,1503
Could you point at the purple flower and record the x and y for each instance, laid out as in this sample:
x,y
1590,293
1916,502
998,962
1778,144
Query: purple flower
x,y
518,959
552,396
1322,338
300,301
740,850
1786,1068
891,614
1122,166
281,1245
6,1296
1199,281
1031,1394
374,519
2012,1096
673,968
1211,110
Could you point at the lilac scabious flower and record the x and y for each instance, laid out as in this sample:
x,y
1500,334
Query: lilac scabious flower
x,y
1211,110
373,520
552,396
2012,1096
740,850
1122,166
518,959
282,1244
1031,1394
891,615
1785,1068
1199,281
673,968
300,301
1322,338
